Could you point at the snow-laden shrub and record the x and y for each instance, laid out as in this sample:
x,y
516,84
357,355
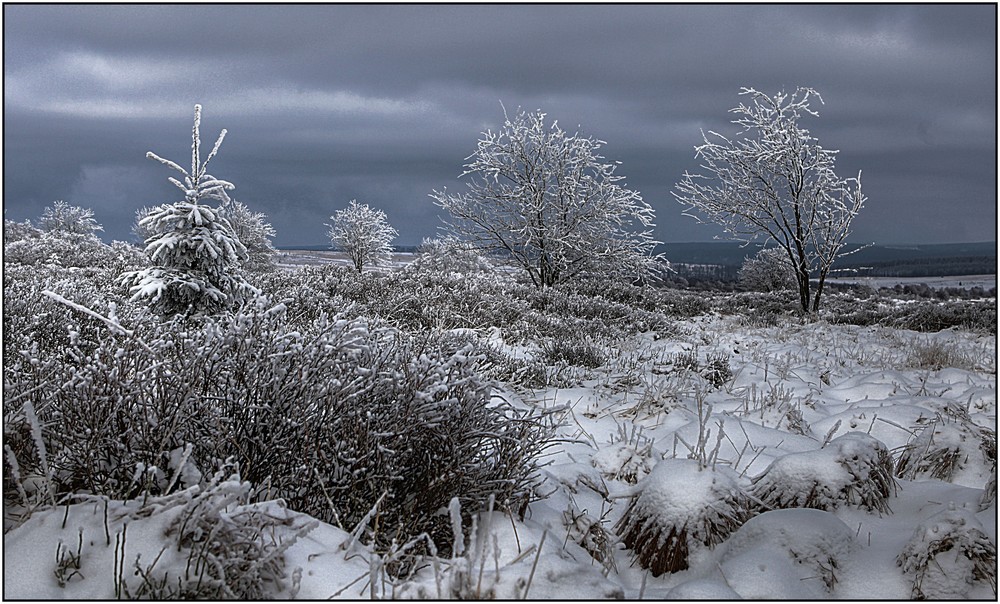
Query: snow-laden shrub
x,y
332,418
853,469
255,233
417,300
35,327
570,350
72,250
16,231
678,508
233,549
920,315
946,447
758,309
64,218
936,355
947,554
976,315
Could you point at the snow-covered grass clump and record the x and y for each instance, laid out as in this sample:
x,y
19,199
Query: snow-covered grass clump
x,y
680,507
851,469
947,554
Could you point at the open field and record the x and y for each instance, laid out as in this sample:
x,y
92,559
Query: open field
x,y
702,447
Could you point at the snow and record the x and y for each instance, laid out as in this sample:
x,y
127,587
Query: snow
x,y
855,396
677,491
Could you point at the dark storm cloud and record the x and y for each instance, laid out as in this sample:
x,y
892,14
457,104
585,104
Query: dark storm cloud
x,y
326,103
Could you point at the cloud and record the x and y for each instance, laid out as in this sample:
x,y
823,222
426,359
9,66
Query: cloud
x,y
324,103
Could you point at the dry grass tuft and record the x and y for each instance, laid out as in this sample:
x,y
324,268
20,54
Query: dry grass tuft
x,y
945,445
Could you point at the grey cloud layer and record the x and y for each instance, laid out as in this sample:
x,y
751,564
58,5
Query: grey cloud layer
x,y
325,103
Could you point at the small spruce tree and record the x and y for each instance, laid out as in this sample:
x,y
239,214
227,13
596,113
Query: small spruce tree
x,y
194,254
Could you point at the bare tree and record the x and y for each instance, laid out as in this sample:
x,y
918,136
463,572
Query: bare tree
x,y
548,200
776,182
363,233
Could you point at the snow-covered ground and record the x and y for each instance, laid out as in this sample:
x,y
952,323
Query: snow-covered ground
x,y
673,444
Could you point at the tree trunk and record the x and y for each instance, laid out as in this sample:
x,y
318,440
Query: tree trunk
x,y
802,277
819,290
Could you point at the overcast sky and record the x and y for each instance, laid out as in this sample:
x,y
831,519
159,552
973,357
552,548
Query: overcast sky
x,y
383,103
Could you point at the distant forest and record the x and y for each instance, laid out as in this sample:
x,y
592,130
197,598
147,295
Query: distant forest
x,y
721,260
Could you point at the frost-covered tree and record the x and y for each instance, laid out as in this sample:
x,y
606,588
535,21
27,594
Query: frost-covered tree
x,y
767,271
64,218
363,233
255,233
66,237
449,255
776,182
194,254
552,204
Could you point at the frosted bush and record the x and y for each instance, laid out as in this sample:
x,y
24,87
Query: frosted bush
x,y
64,218
331,418
571,350
853,469
233,550
82,250
947,554
678,508
255,233
16,231
936,355
769,270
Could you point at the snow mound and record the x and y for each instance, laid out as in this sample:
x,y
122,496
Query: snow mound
x,y
703,589
951,448
805,545
622,461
